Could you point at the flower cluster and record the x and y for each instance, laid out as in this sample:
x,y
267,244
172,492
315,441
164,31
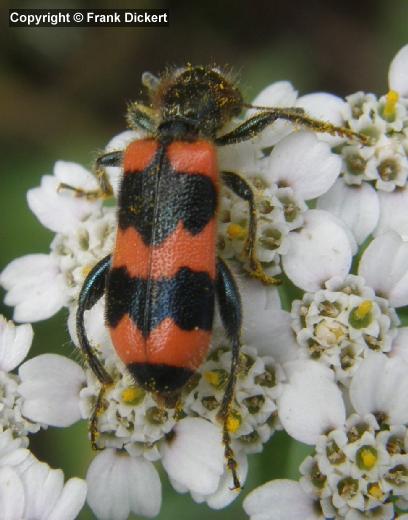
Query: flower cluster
x,y
346,392
341,324
28,488
331,372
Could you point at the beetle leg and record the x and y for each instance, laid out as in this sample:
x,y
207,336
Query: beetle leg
x,y
230,310
242,188
92,290
97,411
105,189
255,124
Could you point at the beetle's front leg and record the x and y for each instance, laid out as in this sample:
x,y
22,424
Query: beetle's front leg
x,y
255,124
105,189
242,188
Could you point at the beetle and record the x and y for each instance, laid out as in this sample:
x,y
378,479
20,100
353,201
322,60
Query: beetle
x,y
164,275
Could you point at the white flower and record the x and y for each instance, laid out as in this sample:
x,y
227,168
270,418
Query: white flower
x,y
343,323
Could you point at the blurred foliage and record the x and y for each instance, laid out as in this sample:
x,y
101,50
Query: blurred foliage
x,y
64,93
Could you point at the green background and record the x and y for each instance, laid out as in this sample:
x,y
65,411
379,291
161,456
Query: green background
x,y
63,93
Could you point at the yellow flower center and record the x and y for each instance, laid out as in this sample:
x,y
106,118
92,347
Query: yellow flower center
x,y
375,491
366,457
132,395
363,309
236,231
233,422
216,378
86,270
390,104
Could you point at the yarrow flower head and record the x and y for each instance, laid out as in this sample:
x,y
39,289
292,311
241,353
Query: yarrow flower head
x,y
330,372
360,461
342,323
28,488
370,194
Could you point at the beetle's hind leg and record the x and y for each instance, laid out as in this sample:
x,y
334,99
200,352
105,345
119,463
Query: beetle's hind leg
x,y
242,189
105,189
230,311
92,290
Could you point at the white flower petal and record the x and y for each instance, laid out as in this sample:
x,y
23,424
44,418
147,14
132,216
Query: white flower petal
x,y
398,72
15,342
42,486
380,385
265,325
255,295
303,163
11,495
311,403
323,106
61,211
280,500
399,346
357,206
242,157
70,501
271,333
96,330
225,493
46,497
35,287
194,457
119,484
8,444
384,266
50,385
278,94
393,212
17,459
321,250
120,142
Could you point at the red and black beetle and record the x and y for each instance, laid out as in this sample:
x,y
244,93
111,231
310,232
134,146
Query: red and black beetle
x,y
164,275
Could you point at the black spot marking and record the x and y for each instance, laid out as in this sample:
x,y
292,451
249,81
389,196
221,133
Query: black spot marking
x,y
159,378
187,298
155,200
